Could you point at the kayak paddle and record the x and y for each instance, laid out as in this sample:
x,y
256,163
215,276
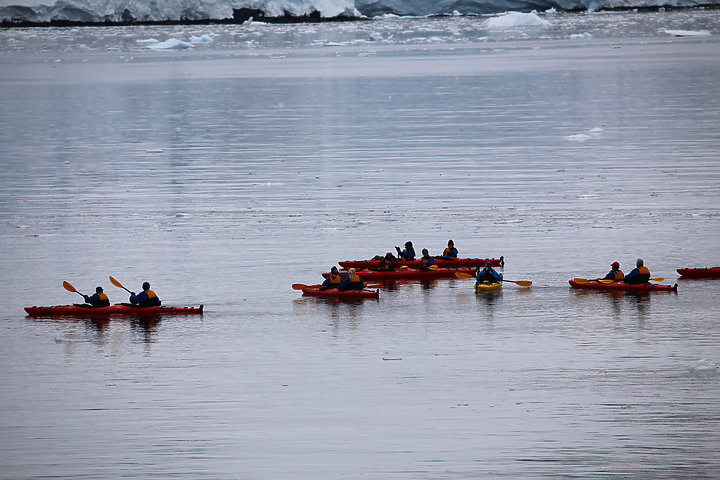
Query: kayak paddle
x,y
70,288
654,279
118,284
302,286
522,283
585,280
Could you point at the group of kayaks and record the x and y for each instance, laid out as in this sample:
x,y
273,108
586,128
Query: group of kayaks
x,y
467,268
408,270
367,270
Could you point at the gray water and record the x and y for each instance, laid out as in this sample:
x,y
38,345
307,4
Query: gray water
x,y
226,173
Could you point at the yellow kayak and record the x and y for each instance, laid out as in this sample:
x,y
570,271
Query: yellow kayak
x,y
488,287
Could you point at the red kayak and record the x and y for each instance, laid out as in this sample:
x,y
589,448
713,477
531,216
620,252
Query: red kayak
x,y
441,262
623,287
407,274
118,309
315,291
709,272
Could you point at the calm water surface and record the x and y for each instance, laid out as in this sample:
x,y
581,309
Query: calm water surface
x,y
224,175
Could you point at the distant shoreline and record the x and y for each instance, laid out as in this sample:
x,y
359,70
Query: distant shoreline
x,y
243,15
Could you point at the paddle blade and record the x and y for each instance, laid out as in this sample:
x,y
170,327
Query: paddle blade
x,y
115,282
657,279
295,286
69,287
433,267
581,280
523,283
463,275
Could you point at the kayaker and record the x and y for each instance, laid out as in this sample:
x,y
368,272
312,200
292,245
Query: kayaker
x,y
389,262
333,281
488,275
352,282
615,274
426,260
99,299
146,298
450,251
408,253
640,274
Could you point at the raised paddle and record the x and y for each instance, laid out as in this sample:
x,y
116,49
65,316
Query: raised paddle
x,y
70,288
522,283
118,284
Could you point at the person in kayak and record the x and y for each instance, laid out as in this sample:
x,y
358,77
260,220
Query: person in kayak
x,y
333,281
426,260
488,275
389,262
408,253
352,282
640,274
99,299
146,298
615,274
450,251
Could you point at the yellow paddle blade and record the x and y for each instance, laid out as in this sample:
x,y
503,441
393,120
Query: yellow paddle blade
x,y
522,283
115,282
463,275
69,287
433,267
657,279
581,280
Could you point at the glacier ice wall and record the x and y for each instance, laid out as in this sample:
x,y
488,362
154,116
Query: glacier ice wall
x,y
42,11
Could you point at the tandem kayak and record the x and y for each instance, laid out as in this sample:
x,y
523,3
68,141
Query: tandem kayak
x,y
709,272
407,274
488,287
623,287
315,291
440,262
118,309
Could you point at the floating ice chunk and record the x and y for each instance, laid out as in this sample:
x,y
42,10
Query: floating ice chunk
x,y
148,41
587,135
581,35
201,39
580,137
705,369
171,44
515,19
688,33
